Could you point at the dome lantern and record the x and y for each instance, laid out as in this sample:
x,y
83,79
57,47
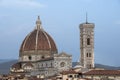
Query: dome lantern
x,y
38,24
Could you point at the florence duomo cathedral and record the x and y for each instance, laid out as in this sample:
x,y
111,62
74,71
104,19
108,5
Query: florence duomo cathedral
x,y
38,53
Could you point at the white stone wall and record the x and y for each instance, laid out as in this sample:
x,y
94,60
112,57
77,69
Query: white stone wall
x,y
67,63
47,66
53,66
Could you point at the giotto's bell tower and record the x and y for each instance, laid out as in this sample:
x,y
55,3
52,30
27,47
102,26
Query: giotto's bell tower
x,y
87,44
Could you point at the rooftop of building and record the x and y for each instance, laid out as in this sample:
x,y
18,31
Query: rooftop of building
x,y
102,72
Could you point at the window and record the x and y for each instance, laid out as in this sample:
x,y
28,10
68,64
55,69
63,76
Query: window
x,y
51,65
42,57
75,76
62,64
70,76
29,57
89,54
88,41
90,66
60,78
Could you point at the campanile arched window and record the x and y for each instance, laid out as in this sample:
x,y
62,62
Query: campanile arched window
x,y
88,41
90,55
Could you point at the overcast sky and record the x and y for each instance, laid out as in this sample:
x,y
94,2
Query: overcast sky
x,y
61,19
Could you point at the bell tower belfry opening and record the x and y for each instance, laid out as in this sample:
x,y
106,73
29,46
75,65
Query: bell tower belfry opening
x,y
87,44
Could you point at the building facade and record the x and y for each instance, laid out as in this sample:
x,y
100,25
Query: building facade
x,y
87,45
38,55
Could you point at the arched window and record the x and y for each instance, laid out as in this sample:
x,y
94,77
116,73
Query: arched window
x,y
29,57
70,76
42,57
88,41
87,55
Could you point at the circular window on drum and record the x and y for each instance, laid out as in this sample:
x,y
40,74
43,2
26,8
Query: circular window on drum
x,y
62,64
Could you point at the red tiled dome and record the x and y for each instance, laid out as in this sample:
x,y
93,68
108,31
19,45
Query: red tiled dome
x,y
38,39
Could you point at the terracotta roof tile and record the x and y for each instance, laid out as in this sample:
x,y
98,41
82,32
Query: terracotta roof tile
x,y
103,72
69,72
17,66
28,64
44,41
